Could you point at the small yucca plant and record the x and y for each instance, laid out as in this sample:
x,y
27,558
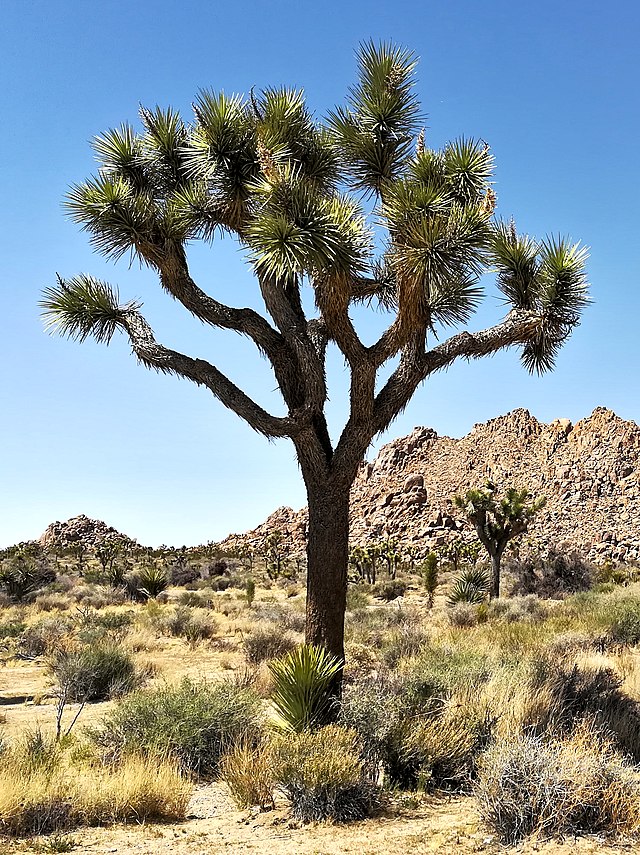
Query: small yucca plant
x,y
302,681
471,586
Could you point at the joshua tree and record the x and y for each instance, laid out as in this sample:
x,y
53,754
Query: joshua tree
x,y
298,195
497,521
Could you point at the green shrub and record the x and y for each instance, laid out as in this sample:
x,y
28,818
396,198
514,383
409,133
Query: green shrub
x,y
196,723
390,589
266,643
576,786
12,629
357,598
302,683
321,774
95,673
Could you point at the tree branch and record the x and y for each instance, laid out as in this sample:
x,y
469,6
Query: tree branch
x,y
519,327
199,371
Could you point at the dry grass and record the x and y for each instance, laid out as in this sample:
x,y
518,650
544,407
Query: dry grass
x,y
41,797
578,785
248,772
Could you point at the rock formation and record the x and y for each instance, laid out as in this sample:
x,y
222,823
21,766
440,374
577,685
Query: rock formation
x,y
588,472
92,533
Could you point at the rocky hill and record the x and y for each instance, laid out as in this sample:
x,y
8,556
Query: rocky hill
x,y
80,529
589,473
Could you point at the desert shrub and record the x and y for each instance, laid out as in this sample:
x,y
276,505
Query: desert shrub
x,y
37,800
51,602
100,628
572,786
357,597
196,723
43,638
184,622
321,774
390,589
625,624
219,583
385,710
471,586
194,599
282,614
248,771
404,642
95,673
443,750
302,682
560,573
267,642
513,609
568,694
12,628
98,596
464,614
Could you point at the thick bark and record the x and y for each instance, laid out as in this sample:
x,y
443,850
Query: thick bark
x,y
327,559
496,557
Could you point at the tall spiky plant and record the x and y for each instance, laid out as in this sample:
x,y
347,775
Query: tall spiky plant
x,y
497,520
290,189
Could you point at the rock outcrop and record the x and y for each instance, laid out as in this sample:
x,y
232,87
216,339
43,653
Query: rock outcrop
x,y
588,472
80,529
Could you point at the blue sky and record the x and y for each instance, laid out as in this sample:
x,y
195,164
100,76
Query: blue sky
x,y
84,429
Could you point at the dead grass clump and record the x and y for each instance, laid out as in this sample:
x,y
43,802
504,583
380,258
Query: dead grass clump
x,y
50,602
267,642
513,609
44,638
463,615
248,771
578,785
38,799
444,750
321,774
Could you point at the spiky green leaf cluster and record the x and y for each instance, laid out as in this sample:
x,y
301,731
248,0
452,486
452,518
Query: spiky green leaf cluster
x,y
471,586
302,683
438,218
547,277
299,230
375,130
84,307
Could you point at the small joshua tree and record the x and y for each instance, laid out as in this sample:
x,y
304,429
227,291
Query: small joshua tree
x,y
498,520
430,575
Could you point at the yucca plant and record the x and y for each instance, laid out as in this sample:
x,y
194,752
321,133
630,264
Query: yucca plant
x,y
147,582
302,683
471,586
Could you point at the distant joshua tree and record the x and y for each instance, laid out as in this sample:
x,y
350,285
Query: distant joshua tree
x,y
498,520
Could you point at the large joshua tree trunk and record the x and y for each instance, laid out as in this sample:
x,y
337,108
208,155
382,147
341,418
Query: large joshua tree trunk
x,y
327,559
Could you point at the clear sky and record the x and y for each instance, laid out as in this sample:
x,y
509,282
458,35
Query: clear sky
x,y
552,86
